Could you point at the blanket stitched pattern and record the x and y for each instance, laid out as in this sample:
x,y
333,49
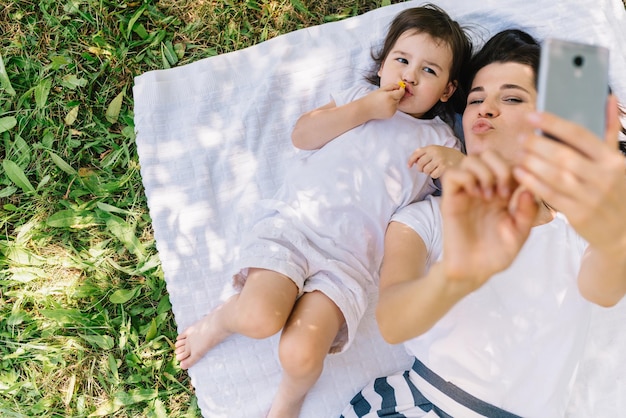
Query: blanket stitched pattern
x,y
213,138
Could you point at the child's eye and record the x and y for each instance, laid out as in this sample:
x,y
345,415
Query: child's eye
x,y
430,70
402,60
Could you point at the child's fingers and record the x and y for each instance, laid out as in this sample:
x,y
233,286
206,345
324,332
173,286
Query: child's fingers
x,y
424,162
392,87
398,94
435,170
416,155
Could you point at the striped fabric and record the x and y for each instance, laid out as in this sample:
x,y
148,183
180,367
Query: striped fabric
x,y
397,396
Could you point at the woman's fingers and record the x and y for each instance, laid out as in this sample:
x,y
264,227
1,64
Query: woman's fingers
x,y
579,138
574,168
491,174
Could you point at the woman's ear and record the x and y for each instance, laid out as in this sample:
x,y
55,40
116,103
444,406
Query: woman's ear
x,y
449,91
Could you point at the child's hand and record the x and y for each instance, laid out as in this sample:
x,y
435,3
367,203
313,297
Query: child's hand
x,y
434,160
383,103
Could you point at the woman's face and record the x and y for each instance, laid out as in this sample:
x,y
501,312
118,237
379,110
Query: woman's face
x,y
501,96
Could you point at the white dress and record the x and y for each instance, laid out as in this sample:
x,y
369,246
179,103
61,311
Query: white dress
x,y
516,342
325,227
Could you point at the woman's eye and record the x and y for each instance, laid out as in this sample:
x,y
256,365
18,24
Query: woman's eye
x,y
471,101
513,100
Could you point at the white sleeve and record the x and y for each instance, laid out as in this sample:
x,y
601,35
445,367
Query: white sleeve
x,y
346,96
424,218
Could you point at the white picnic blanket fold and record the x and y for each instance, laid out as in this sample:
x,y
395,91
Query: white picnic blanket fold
x,y
213,138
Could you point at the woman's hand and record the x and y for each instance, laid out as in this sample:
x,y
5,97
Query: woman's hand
x,y
486,218
582,176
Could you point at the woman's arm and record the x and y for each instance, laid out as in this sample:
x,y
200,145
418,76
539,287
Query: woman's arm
x,y
316,128
410,301
584,178
602,277
485,224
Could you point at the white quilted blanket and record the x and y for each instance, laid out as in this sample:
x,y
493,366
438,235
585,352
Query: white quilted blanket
x,y
213,138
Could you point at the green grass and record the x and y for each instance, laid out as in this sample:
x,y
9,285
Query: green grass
x,y
86,327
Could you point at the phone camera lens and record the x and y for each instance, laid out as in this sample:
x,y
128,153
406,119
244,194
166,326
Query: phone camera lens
x,y
578,61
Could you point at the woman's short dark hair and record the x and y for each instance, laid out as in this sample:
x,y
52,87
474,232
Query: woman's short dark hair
x,y
434,21
511,45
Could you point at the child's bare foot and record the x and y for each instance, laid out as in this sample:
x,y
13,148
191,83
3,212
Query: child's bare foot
x,y
199,338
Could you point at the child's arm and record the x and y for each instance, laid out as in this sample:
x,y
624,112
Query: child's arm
x,y
316,128
434,160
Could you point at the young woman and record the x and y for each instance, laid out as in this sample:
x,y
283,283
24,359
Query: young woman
x,y
314,250
489,289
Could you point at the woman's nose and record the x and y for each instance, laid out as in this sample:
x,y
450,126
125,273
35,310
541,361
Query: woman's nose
x,y
487,109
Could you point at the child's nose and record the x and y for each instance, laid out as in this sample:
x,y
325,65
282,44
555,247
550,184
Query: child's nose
x,y
410,76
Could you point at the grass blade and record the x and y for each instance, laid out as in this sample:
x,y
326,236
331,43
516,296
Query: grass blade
x,y
69,391
122,296
133,20
104,342
72,219
113,111
7,191
111,209
299,6
72,82
152,331
7,123
5,82
42,90
17,176
60,162
124,232
168,53
71,116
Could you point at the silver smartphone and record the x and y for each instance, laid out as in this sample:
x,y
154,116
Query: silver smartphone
x,y
573,82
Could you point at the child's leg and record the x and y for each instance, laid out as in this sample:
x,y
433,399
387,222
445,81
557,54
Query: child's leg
x,y
305,341
259,311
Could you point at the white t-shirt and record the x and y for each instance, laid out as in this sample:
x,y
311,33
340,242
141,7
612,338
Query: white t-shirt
x,y
348,190
324,228
515,342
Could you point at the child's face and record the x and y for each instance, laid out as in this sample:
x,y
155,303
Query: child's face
x,y
423,63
